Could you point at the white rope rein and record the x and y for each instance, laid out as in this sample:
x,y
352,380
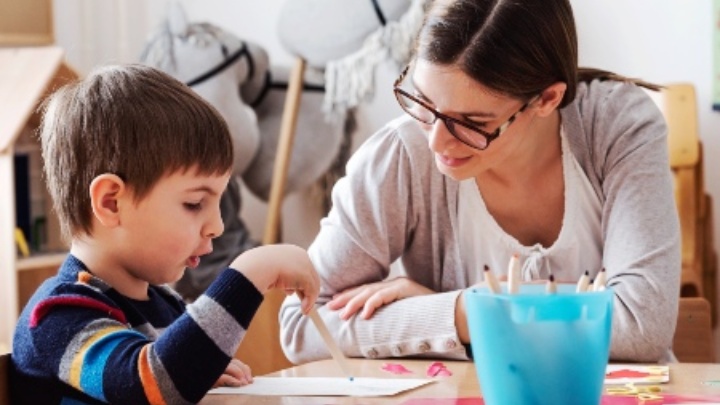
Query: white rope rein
x,y
350,80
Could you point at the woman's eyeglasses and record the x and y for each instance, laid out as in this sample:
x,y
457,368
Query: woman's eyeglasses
x,y
464,132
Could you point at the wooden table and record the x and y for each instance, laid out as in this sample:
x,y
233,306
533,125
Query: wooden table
x,y
685,378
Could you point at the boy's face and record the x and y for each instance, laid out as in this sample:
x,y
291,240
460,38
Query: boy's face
x,y
171,227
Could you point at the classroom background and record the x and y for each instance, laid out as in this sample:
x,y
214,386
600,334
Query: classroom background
x,y
662,41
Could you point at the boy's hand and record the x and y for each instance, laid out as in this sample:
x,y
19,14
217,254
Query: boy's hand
x,y
286,267
236,374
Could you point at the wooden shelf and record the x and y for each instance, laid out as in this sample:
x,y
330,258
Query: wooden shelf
x,y
33,271
27,22
40,260
29,75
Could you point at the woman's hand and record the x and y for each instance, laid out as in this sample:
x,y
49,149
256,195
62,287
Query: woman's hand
x,y
370,297
236,374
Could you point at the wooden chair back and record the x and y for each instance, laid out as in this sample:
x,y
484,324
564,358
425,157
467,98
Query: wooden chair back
x,y
679,106
694,341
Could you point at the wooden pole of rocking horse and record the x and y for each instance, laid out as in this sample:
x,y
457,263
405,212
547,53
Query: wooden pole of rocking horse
x,y
260,348
284,151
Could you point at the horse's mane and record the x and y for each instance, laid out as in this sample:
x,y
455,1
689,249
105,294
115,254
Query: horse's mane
x,y
159,50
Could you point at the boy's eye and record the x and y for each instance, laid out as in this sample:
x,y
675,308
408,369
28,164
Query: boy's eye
x,y
192,206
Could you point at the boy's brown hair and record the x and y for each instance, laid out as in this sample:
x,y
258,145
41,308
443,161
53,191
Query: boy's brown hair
x,y
133,121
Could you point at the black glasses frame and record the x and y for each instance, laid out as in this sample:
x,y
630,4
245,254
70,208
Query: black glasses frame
x,y
449,121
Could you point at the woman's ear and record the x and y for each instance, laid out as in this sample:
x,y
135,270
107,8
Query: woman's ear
x,y
550,98
105,190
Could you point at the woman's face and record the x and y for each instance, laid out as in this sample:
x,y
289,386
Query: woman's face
x,y
450,91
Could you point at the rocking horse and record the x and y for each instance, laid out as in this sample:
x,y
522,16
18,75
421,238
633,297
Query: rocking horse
x,y
215,62
224,70
348,40
216,65
235,76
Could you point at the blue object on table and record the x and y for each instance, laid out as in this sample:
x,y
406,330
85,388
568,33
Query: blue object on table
x,y
538,348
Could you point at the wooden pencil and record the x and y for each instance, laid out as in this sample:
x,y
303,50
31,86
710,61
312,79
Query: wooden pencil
x,y
583,282
335,351
514,275
600,280
490,281
551,286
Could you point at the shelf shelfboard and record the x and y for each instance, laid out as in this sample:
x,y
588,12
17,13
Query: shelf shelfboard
x,y
40,260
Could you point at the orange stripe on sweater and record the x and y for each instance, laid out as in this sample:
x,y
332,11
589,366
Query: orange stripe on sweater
x,y
150,385
84,277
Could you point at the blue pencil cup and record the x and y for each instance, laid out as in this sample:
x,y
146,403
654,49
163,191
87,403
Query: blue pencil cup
x,y
535,348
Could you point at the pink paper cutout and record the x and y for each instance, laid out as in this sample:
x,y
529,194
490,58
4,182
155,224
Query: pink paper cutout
x,y
438,369
626,373
395,368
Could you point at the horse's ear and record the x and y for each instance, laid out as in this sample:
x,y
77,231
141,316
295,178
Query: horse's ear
x,y
177,19
256,84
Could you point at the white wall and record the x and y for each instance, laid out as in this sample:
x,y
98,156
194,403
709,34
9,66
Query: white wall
x,y
659,40
663,41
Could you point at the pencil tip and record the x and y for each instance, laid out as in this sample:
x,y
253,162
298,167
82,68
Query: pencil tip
x,y
587,272
551,278
352,378
486,267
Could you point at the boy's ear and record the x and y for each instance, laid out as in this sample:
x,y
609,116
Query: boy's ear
x,y
105,190
550,98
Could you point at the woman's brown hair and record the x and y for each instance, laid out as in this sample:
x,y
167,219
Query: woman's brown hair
x,y
515,47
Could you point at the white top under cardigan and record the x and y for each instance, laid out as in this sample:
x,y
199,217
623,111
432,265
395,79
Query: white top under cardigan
x,y
395,204
578,247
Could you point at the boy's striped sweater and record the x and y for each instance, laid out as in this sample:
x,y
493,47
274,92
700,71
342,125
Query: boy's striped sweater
x,y
78,341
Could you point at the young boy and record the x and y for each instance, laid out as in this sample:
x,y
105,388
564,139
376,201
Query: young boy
x,y
136,163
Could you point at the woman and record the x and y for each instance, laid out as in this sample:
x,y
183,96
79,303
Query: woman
x,y
507,148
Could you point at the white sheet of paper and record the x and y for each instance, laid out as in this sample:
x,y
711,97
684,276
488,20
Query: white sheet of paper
x,y
325,386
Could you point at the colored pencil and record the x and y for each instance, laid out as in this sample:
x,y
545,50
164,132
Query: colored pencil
x,y
583,283
490,280
335,351
551,286
600,280
514,275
